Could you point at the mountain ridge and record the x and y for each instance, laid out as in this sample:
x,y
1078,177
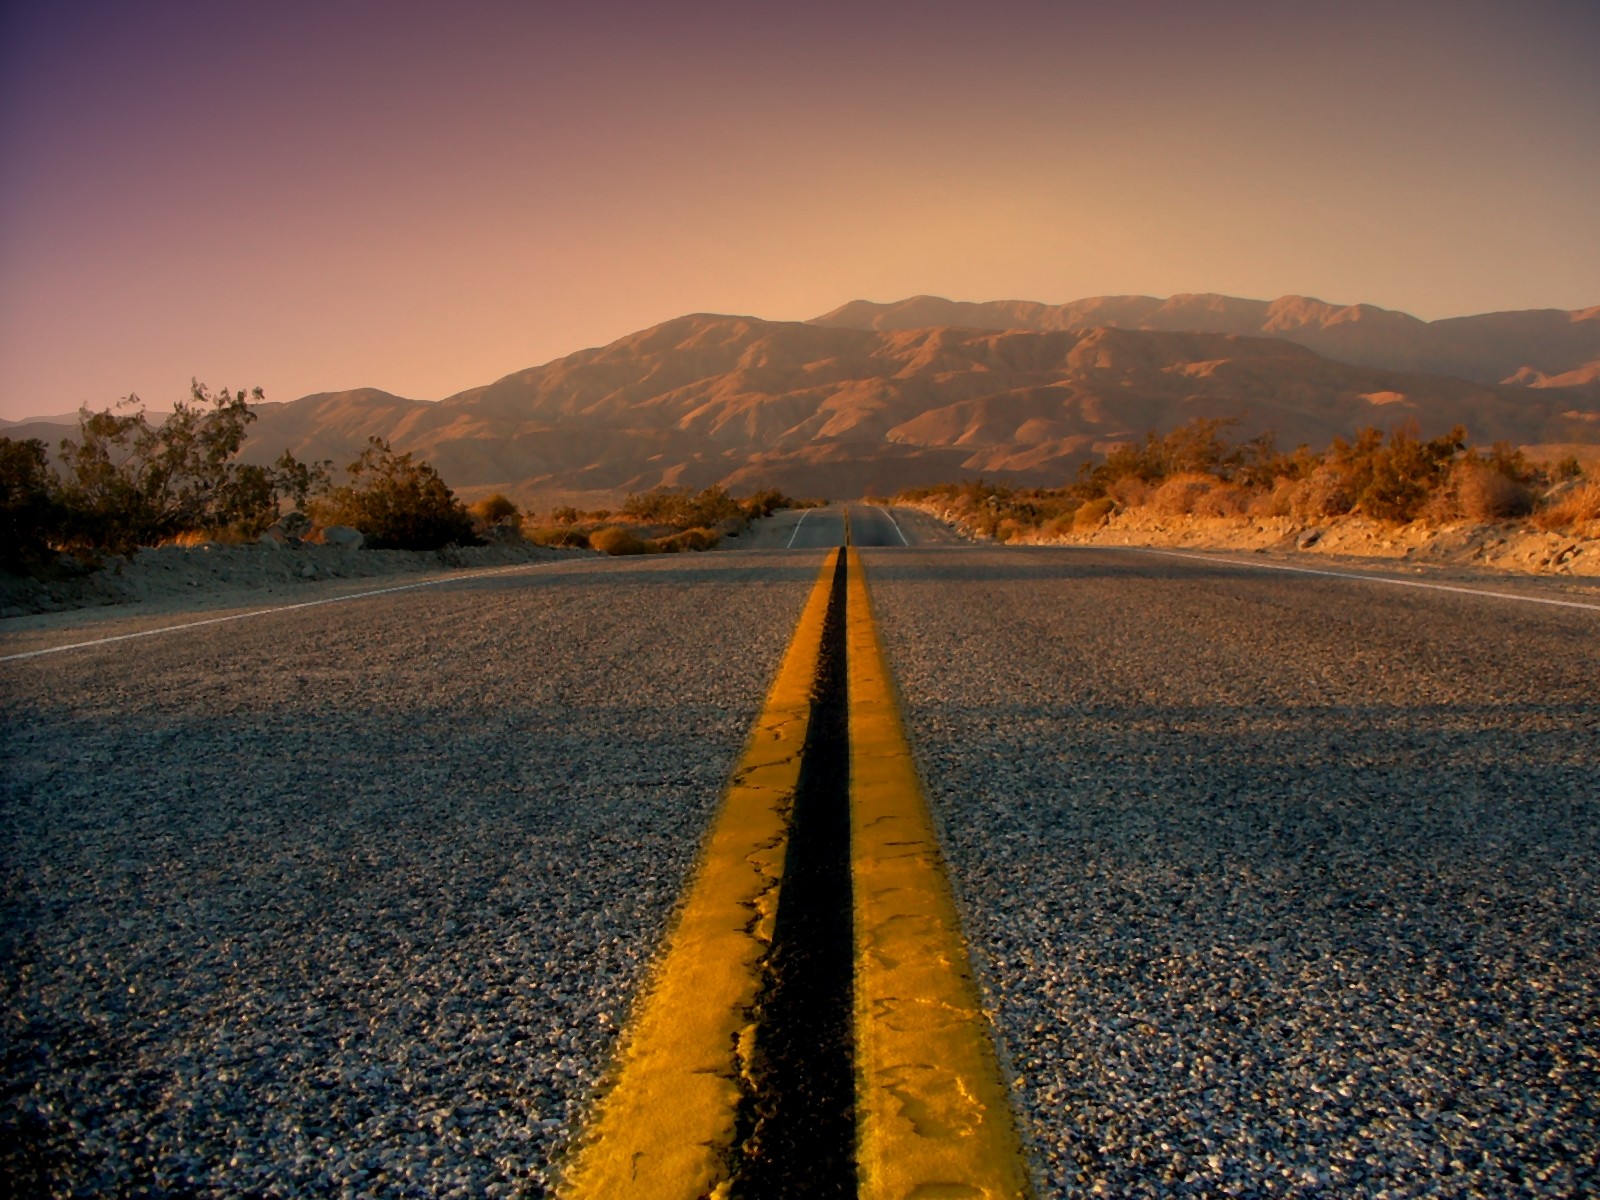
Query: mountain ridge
x,y
832,409
1485,347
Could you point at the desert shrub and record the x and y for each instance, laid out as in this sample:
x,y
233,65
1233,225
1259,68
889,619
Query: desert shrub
x,y
32,515
396,501
1009,529
558,535
1093,513
1321,494
614,539
128,483
1487,494
683,509
1394,479
1222,500
769,500
1058,526
688,539
1129,491
1567,468
1573,508
1178,495
1277,502
495,509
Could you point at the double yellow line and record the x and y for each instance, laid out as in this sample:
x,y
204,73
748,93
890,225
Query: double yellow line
x,y
932,1117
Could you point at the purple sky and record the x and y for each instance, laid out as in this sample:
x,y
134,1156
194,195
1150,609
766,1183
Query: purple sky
x,y
422,197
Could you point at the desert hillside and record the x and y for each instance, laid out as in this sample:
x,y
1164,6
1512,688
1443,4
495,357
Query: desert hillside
x,y
820,409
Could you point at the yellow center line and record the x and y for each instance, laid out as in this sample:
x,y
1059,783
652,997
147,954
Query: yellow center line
x,y
932,1114
664,1128
933,1121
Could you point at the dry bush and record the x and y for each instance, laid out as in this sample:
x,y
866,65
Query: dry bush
x,y
1573,508
1222,500
1058,526
1177,496
558,535
1321,494
1129,491
1279,502
1094,513
1011,530
613,539
689,539
1485,494
495,509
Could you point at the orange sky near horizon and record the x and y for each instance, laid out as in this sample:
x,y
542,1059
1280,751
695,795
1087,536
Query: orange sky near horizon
x,y
313,197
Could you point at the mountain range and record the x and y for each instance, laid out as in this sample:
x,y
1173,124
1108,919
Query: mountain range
x,y
875,397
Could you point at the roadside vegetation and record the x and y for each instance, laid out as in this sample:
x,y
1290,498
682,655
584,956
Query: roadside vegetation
x,y
126,481
664,520
1197,470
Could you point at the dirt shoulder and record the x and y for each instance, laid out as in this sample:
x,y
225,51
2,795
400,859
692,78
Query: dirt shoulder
x,y
202,578
1453,550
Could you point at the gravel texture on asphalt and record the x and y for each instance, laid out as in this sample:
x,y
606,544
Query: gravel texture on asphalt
x,y
352,900
1280,886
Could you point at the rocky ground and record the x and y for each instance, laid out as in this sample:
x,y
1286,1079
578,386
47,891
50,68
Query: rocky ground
x,y
212,574
1450,548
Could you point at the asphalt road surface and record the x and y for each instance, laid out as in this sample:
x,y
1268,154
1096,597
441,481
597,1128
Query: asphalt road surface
x,y
1280,885
870,525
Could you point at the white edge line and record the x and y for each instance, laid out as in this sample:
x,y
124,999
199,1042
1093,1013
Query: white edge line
x,y
1411,583
262,612
803,515
898,532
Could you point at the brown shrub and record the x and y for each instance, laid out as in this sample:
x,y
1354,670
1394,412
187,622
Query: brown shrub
x,y
613,539
495,509
558,535
1093,514
689,539
1010,529
1058,526
1178,494
1485,494
1129,491
1222,500
1571,509
1279,502
1321,494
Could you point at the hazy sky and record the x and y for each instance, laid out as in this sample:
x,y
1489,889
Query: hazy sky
x,y
423,197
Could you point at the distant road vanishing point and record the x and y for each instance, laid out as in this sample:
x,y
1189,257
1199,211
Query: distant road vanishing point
x,y
912,868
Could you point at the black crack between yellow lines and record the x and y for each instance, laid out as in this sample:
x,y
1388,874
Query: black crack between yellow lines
x,y
812,1026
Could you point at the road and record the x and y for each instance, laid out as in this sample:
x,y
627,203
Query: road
x,y
1279,884
870,525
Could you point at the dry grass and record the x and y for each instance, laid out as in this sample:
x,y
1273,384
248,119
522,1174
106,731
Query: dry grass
x,y
1571,510
1094,513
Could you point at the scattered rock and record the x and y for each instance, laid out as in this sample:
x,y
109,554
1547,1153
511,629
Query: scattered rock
x,y
343,536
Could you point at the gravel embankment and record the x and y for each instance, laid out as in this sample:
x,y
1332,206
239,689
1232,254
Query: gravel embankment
x,y
1283,886
351,900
